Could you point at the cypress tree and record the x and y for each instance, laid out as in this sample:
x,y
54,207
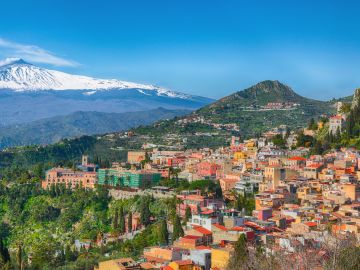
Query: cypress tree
x,y
116,221
187,214
163,233
198,207
129,225
19,257
4,253
145,214
178,230
122,227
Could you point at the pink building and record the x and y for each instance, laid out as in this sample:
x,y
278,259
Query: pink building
x,y
194,201
207,169
263,214
69,178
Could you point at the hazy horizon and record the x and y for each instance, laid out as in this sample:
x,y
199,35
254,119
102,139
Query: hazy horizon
x,y
204,48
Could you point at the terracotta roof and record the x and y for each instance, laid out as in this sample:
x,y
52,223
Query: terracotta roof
x,y
311,224
221,227
207,212
314,166
297,158
203,247
147,265
202,230
154,259
238,228
183,262
191,237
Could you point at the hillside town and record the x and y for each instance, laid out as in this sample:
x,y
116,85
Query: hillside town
x,y
284,199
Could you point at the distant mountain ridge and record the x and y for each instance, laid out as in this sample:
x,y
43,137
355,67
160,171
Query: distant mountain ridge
x,y
52,130
211,126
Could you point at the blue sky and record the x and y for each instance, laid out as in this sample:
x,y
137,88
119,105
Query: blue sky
x,y
209,48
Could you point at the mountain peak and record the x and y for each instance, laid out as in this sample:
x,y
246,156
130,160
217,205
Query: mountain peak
x,y
264,92
271,89
12,61
269,86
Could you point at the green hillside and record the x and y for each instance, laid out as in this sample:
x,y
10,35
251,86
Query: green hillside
x,y
248,109
52,130
244,113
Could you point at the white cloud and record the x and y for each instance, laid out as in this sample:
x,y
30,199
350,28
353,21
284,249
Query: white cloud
x,y
34,53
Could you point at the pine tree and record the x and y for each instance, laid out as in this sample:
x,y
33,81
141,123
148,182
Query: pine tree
x,y
122,227
163,233
178,230
129,225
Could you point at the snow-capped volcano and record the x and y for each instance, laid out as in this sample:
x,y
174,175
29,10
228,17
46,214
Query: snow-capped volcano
x,y
29,93
18,75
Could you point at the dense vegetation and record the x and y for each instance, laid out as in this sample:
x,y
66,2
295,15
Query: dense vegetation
x,y
43,224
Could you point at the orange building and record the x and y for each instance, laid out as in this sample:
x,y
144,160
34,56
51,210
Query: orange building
x,y
202,232
69,178
118,264
181,265
162,254
189,242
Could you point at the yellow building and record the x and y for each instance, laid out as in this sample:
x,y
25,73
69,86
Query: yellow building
x,y
220,257
239,155
250,143
351,191
303,192
274,174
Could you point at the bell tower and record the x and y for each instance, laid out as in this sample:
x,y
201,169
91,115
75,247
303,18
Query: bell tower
x,y
85,160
